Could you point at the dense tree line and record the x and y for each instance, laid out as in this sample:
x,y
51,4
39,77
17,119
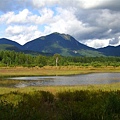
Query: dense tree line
x,y
11,58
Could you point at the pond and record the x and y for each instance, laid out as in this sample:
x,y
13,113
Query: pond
x,y
84,79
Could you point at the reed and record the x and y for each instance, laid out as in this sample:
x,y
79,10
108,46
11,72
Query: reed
x,y
56,89
53,70
66,105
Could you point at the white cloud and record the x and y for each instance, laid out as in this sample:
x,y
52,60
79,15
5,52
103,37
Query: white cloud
x,y
45,16
20,29
22,34
5,17
100,4
21,17
27,17
85,4
62,22
90,4
66,22
105,23
97,43
12,18
43,3
95,21
108,18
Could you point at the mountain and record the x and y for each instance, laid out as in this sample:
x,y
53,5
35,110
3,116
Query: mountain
x,y
6,44
110,50
62,44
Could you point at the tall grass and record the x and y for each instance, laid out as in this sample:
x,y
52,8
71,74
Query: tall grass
x,y
53,70
67,105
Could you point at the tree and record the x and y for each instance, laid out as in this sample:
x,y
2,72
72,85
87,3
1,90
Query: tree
x,y
56,56
41,61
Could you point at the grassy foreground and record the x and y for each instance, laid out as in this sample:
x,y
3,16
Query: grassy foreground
x,y
83,102
56,89
67,105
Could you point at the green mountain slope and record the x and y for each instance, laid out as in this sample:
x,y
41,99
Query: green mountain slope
x,y
62,44
8,47
110,50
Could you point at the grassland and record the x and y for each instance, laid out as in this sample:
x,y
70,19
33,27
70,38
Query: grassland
x,y
82,102
65,105
53,70
56,89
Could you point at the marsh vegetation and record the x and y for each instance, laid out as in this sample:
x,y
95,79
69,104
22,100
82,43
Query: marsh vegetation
x,y
81,102
67,105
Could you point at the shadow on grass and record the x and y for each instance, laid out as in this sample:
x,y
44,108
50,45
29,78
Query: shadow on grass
x,y
67,105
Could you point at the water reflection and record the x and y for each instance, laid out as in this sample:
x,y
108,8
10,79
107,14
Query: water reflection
x,y
86,79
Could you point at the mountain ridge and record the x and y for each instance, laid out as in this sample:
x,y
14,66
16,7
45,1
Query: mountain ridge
x,y
110,50
63,44
8,41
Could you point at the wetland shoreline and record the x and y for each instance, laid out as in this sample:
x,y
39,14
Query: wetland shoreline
x,y
6,72
53,71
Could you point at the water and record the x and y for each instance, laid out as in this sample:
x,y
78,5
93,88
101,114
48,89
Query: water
x,y
86,79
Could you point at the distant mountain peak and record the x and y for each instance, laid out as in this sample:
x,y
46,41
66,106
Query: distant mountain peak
x,y
63,35
63,44
55,35
66,36
60,43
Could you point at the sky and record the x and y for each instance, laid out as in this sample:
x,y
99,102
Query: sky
x,y
95,23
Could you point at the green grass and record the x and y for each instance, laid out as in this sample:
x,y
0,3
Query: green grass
x,y
66,105
56,89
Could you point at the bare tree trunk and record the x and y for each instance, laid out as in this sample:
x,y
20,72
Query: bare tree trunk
x,y
56,61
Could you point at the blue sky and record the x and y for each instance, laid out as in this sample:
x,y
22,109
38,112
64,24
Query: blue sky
x,y
91,22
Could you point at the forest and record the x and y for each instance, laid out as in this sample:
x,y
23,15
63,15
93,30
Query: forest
x,y
12,59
